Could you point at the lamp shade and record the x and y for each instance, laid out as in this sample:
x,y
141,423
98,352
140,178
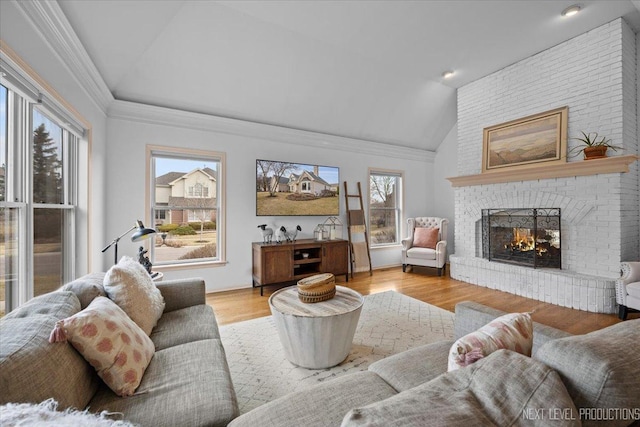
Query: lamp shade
x,y
141,232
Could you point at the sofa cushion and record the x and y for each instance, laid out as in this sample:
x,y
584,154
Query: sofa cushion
x,y
633,289
111,342
525,393
422,253
31,369
600,369
185,385
513,331
185,325
414,366
86,288
55,304
321,405
129,285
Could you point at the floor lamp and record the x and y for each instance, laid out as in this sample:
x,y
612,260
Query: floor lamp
x,y
141,233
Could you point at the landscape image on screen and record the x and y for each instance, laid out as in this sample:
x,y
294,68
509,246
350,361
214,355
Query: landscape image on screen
x,y
290,189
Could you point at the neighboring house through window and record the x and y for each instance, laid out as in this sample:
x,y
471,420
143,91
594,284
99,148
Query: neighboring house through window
x,y
186,201
385,206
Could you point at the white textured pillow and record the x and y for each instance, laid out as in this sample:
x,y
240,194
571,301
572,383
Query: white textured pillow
x,y
129,285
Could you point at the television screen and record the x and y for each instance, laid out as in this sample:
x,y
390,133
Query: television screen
x,y
289,189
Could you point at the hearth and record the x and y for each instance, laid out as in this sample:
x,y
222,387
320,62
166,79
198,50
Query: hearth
x,y
527,237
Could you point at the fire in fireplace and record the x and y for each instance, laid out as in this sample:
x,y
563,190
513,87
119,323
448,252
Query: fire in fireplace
x,y
528,237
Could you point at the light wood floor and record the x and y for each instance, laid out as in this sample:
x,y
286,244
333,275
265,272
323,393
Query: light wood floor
x,y
425,285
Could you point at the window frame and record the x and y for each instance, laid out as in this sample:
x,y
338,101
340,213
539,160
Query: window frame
x,y
21,108
154,151
399,208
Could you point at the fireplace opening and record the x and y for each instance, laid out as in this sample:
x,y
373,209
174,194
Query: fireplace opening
x,y
528,237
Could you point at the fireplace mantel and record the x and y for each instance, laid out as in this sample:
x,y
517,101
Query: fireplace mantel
x,y
615,164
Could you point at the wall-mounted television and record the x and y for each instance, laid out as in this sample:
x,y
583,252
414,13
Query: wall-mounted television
x,y
291,189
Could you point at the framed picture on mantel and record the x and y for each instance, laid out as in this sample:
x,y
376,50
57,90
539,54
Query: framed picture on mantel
x,y
520,143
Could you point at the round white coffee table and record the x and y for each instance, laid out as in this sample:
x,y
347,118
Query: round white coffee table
x,y
318,335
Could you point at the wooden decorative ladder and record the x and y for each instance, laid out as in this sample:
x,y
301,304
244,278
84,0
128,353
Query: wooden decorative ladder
x,y
357,227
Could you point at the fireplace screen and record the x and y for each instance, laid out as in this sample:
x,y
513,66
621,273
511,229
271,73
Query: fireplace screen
x,y
529,237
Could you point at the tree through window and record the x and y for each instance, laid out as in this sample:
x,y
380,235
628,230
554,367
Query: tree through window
x,y
385,207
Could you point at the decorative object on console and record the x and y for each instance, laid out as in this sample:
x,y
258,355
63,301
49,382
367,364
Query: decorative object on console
x,y
592,148
512,331
291,235
287,189
267,233
281,235
141,233
320,233
334,225
519,143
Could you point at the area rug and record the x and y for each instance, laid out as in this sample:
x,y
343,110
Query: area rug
x,y
389,323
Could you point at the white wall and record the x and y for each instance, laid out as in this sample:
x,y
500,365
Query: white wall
x,y
32,47
445,166
128,137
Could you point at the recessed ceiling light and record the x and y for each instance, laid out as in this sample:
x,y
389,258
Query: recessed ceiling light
x,y
447,74
571,10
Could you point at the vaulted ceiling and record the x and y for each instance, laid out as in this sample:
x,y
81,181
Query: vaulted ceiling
x,y
362,69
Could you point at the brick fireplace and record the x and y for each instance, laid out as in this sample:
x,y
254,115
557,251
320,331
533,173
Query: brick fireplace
x,y
593,74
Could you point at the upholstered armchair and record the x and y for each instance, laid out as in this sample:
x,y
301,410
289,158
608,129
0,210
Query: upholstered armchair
x,y
426,245
628,289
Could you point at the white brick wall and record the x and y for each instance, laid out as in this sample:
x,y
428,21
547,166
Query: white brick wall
x,y
595,75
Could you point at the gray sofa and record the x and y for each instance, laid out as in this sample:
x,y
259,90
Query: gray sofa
x,y
590,379
187,382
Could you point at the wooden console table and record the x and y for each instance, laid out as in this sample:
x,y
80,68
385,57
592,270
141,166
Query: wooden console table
x,y
281,263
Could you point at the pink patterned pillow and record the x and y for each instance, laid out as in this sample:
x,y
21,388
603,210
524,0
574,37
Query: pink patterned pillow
x,y
512,331
425,237
111,342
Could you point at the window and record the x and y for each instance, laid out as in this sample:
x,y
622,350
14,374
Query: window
x,y
385,207
38,175
186,199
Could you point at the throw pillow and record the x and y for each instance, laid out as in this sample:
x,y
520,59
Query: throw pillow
x,y
425,237
129,285
111,342
512,331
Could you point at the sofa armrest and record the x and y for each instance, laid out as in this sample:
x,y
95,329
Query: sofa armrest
x,y
630,272
182,293
441,253
407,243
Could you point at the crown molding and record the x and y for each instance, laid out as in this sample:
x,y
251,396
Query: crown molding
x,y
150,114
52,25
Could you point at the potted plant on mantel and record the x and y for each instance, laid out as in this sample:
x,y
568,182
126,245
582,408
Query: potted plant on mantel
x,y
592,147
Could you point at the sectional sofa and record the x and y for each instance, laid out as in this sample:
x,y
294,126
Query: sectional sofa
x,y
591,379
187,382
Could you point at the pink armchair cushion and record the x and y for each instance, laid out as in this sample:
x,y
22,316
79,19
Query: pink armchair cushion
x,y
426,237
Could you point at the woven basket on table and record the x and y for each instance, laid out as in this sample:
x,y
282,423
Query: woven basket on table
x,y
320,287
